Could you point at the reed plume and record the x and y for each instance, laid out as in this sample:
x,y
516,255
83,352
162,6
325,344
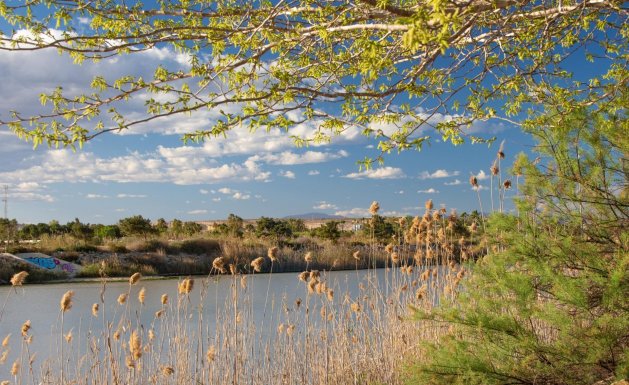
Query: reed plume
x,y
303,276
272,253
5,341
494,168
135,278
15,368
122,298
19,278
95,308
211,354
142,295
219,264
374,208
167,370
185,286
164,299
474,181
308,257
129,362
66,301
135,345
257,264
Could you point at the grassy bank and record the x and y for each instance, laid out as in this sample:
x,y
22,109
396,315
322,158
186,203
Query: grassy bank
x,y
196,256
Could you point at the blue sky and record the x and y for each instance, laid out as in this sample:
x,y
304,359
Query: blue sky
x,y
149,171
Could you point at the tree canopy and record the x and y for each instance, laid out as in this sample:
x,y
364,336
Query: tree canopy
x,y
391,68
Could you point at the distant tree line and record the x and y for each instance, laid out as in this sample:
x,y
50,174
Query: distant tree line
x,y
134,226
377,227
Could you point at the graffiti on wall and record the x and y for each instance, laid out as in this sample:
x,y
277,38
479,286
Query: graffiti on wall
x,y
50,263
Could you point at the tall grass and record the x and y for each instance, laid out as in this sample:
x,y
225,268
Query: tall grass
x,y
331,336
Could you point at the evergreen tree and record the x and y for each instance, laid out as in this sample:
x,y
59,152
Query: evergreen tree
x,y
550,304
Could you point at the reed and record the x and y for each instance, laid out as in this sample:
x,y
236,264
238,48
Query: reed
x,y
329,336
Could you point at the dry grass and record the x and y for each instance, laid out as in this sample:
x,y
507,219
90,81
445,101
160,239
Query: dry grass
x,y
330,337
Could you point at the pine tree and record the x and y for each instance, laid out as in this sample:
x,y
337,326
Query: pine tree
x,y
550,304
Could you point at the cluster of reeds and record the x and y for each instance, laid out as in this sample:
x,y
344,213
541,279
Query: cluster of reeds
x,y
330,335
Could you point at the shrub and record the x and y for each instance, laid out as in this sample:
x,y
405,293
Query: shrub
x,y
200,246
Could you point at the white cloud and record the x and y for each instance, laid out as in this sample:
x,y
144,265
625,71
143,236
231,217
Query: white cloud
x,y
395,213
235,194
96,196
482,175
121,210
30,196
288,158
323,205
241,196
27,191
401,192
378,173
287,174
313,172
453,183
57,166
197,212
356,212
441,173
124,196
204,192
429,191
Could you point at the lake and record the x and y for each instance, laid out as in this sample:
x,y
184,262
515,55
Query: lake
x,y
265,301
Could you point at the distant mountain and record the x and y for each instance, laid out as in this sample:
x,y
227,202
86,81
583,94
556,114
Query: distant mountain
x,y
313,216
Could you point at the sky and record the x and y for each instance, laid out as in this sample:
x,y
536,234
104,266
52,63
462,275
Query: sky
x,y
149,171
